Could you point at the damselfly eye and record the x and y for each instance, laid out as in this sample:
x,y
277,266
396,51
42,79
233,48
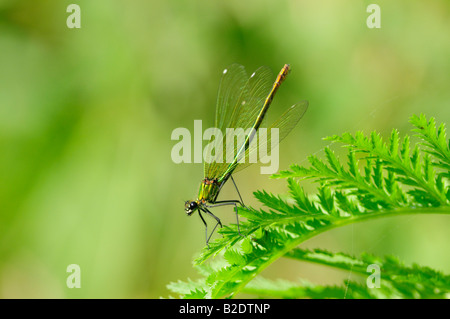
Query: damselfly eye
x,y
192,205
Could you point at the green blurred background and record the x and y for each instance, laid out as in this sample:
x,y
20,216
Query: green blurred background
x,y
86,117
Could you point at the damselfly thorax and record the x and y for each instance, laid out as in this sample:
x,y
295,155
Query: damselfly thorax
x,y
208,192
207,198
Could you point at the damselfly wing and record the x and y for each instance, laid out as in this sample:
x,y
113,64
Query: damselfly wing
x,y
242,105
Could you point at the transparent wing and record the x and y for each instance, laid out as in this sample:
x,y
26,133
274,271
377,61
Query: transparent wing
x,y
240,99
267,139
231,85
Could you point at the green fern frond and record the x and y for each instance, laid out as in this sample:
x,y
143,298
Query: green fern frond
x,y
189,289
265,288
436,143
378,179
422,282
409,168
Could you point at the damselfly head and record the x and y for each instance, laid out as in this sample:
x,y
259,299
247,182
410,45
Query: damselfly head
x,y
190,206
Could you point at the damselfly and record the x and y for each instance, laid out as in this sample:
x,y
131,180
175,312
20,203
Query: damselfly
x,y
242,102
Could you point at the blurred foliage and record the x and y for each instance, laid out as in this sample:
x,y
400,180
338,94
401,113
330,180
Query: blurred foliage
x,y
86,117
